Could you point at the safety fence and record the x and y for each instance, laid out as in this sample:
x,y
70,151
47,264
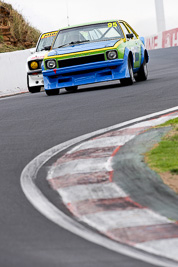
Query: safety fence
x,y
162,40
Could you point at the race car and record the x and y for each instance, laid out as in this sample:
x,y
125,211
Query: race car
x,y
33,67
92,53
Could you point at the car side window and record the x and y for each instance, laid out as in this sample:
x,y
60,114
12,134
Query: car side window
x,y
135,37
125,30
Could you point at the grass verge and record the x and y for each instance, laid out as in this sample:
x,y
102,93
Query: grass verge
x,y
163,158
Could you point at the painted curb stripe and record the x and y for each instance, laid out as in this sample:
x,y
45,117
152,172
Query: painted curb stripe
x,y
91,191
79,166
93,206
42,204
79,179
107,220
127,131
134,235
86,154
109,213
104,142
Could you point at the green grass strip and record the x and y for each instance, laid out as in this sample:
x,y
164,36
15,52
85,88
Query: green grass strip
x,y
164,157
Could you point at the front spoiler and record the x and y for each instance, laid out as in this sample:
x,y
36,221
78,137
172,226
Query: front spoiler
x,y
85,74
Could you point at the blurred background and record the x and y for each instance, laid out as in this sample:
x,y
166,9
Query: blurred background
x,y
53,14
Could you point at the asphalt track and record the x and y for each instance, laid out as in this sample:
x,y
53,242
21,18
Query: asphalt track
x,y
31,124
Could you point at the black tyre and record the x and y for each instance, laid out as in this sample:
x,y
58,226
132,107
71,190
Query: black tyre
x,y
33,89
142,74
130,80
71,89
52,92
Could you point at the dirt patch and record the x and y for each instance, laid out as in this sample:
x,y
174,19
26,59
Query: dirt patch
x,y
168,178
171,180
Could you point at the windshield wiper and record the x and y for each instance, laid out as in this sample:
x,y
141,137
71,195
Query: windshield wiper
x,y
61,46
76,42
79,42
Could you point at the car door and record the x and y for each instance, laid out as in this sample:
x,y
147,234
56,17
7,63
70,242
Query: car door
x,y
132,43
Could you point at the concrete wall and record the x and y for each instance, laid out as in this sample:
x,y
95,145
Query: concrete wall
x,y
13,77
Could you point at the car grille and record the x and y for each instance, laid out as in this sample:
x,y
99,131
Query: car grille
x,y
80,60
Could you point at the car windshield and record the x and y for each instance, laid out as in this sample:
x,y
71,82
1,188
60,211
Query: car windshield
x,y
46,40
88,33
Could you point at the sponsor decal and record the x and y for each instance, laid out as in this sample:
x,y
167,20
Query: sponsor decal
x,y
162,40
170,38
135,51
48,34
37,57
152,42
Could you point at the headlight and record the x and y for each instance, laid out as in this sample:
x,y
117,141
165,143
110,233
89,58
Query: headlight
x,y
112,54
34,65
51,64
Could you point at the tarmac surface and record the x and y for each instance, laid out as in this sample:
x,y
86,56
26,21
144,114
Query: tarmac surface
x,y
31,124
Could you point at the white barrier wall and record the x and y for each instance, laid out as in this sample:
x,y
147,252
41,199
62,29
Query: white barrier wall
x,y
13,76
162,40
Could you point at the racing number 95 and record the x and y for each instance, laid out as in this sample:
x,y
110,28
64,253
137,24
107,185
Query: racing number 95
x,y
112,24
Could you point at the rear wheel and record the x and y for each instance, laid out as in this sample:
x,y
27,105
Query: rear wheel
x,y
33,89
52,92
130,80
71,89
142,74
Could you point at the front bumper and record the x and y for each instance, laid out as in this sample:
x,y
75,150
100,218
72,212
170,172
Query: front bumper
x,y
35,78
85,74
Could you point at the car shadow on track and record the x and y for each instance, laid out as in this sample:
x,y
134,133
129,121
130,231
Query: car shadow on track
x,y
93,87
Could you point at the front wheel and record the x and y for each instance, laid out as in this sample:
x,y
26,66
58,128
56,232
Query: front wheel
x,y
130,80
142,74
52,92
35,89
71,89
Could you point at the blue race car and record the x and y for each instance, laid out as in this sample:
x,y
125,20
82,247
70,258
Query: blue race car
x,y
94,52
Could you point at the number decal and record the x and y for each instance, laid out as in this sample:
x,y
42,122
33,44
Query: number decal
x,y
112,24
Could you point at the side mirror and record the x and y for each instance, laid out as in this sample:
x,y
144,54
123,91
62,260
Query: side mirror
x,y
129,35
32,50
47,48
143,40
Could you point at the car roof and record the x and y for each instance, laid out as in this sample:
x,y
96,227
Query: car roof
x,y
90,23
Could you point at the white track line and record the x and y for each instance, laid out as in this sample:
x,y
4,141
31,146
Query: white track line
x,y
154,247
153,123
42,204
